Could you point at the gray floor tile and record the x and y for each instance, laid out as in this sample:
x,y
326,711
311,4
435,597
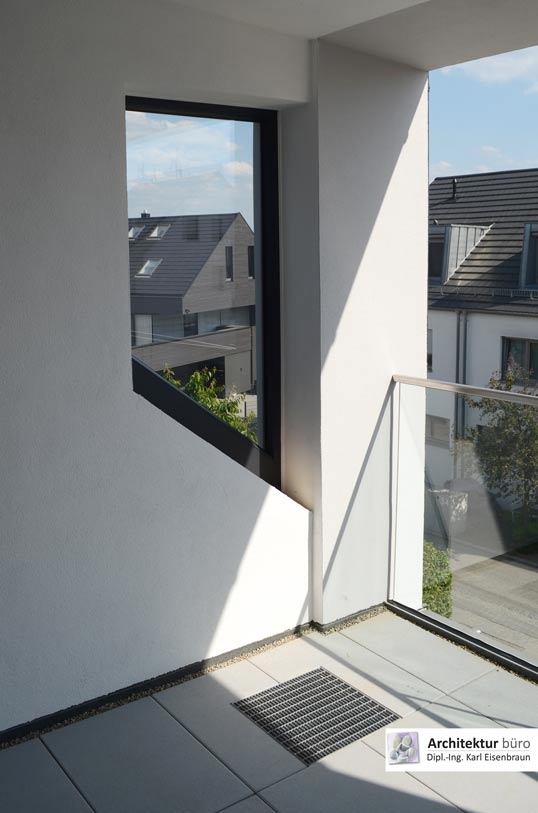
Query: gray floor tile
x,y
204,707
426,655
31,780
510,700
251,805
375,676
446,712
486,792
353,780
136,758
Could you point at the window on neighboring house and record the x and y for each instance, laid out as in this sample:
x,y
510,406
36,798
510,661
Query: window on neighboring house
x,y
246,355
135,231
437,430
229,263
148,268
436,255
521,357
142,329
190,324
430,350
160,230
529,257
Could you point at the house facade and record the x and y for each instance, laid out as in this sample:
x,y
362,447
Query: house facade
x,y
194,276
483,306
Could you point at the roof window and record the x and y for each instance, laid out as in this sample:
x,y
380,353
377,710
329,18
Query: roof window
x,y
148,268
135,231
160,230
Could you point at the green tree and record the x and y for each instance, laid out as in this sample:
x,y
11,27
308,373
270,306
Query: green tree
x,y
507,444
202,386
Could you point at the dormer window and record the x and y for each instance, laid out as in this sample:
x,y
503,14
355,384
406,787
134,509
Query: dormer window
x,y
436,254
148,268
160,230
529,257
135,231
449,246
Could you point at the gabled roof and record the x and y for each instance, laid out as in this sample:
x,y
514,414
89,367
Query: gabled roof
x,y
182,258
488,279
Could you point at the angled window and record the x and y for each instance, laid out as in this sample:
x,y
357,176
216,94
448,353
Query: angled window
x,y
148,268
135,231
213,359
229,263
159,230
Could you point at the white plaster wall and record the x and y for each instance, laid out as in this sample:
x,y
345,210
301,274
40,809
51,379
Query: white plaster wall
x,y
373,277
129,547
484,342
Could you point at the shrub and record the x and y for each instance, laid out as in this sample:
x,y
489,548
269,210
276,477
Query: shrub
x,y
436,580
202,387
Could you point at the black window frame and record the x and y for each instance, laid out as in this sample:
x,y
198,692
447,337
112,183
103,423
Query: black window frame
x,y
526,367
264,462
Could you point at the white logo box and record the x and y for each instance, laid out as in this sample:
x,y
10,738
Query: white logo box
x,y
461,749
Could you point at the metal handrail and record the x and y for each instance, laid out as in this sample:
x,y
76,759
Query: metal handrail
x,y
466,389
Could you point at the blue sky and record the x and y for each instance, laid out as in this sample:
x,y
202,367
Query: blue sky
x,y
180,165
484,115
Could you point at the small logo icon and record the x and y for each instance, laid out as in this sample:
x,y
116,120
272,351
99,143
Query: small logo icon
x,y
402,747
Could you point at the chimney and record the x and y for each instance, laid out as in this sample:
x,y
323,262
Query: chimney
x,y
145,214
454,188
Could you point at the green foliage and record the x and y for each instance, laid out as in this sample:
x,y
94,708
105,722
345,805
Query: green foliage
x,y
436,580
507,445
202,387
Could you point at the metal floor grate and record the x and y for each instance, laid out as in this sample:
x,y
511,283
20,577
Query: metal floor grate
x,y
315,714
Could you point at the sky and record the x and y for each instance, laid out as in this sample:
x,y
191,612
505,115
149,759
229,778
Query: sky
x,y
484,115
179,165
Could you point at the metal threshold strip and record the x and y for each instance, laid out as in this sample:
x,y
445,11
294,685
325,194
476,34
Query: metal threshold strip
x,y
511,662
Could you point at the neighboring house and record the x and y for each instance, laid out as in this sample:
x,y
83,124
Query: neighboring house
x,y
193,276
483,295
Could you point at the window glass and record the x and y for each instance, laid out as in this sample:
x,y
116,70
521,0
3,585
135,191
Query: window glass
x,y
436,253
533,359
532,265
195,180
515,354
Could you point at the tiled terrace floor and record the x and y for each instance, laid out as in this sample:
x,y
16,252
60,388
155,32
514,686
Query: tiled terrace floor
x,y
188,749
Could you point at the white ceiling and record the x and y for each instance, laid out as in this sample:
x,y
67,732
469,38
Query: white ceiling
x,y
444,32
426,34
303,18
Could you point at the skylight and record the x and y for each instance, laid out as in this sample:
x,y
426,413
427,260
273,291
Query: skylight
x,y
148,268
134,231
160,230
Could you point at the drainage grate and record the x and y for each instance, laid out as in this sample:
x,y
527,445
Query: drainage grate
x,y
315,714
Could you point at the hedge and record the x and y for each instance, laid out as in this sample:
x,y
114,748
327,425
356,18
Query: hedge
x,y
437,580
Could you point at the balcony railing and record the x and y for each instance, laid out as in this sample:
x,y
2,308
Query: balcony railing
x,y
465,511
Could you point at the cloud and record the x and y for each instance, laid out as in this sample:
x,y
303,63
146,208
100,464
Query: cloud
x,y
516,66
181,165
243,168
440,168
491,150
